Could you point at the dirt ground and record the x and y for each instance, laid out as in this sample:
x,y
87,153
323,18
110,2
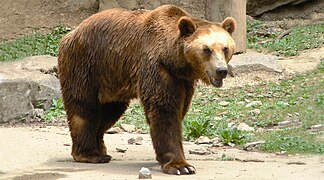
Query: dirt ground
x,y
44,153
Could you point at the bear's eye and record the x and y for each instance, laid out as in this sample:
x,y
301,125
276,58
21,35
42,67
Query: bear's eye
x,y
225,50
207,50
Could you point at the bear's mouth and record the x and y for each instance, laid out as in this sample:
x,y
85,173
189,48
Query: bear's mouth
x,y
216,82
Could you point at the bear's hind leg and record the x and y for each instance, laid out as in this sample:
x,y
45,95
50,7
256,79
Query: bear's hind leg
x,y
83,128
110,113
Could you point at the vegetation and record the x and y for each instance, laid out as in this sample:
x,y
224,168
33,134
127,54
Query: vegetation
x,y
287,43
56,111
31,45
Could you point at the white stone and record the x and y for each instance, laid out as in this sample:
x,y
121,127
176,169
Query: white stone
x,y
128,127
317,127
115,130
144,173
254,104
203,140
255,112
224,103
244,127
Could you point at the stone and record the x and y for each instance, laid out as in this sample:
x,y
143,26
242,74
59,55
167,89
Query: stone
x,y
121,150
199,152
224,103
255,112
75,5
136,141
215,140
26,85
244,127
195,8
251,62
39,112
115,130
231,125
252,145
317,127
254,104
127,127
284,124
144,173
258,7
203,140
218,118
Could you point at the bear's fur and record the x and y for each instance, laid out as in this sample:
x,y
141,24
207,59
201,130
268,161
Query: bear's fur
x,y
118,55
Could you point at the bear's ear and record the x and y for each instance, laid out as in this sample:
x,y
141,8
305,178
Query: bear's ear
x,y
229,24
186,26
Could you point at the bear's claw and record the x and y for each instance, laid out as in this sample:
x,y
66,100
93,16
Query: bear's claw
x,y
178,169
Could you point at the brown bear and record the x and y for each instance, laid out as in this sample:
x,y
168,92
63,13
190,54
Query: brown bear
x,y
158,56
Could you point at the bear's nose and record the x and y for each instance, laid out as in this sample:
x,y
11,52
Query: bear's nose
x,y
221,72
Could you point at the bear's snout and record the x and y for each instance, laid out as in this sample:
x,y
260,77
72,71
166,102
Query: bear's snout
x,y
221,72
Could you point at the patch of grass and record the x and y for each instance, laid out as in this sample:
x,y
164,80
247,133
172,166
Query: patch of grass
x,y
31,45
233,135
226,158
135,115
56,111
300,38
291,141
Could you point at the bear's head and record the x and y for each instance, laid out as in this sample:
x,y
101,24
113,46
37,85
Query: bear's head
x,y
208,47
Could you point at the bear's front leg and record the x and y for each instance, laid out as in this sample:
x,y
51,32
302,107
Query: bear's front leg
x,y
165,113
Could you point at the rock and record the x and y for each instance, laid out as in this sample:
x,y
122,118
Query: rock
x,y
254,104
284,124
127,127
244,127
241,103
39,112
136,141
224,103
144,173
121,150
220,144
255,112
218,118
251,62
231,144
27,85
252,145
317,127
215,140
76,5
199,152
231,125
258,7
195,8
203,140
115,130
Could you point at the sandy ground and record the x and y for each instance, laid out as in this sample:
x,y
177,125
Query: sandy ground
x,y
44,153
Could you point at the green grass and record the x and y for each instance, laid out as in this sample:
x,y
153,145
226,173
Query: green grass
x,y
34,44
300,38
56,111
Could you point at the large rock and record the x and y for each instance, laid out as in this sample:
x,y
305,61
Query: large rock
x,y
196,8
27,85
258,7
251,61
82,4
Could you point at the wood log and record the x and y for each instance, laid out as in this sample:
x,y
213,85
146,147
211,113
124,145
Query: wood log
x,y
218,10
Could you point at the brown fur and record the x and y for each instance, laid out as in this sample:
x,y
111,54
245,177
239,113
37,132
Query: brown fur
x,y
117,55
